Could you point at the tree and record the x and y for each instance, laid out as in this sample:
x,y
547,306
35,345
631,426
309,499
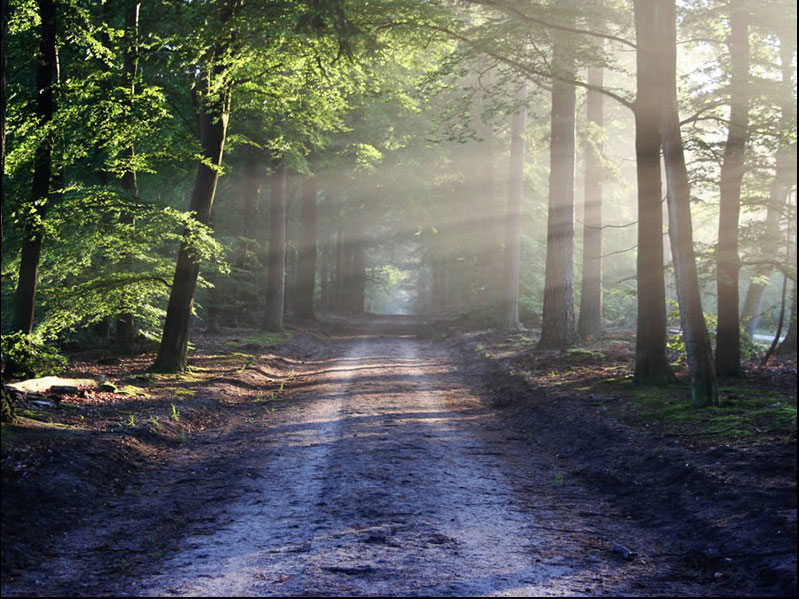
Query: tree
x,y
212,93
126,330
513,226
784,178
728,338
704,385
25,298
651,364
304,301
3,87
276,276
558,322
590,321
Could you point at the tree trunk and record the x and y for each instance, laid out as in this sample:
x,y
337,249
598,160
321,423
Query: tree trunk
x,y
339,277
126,324
788,345
558,329
704,386
728,330
651,365
358,277
276,279
306,268
489,259
590,322
3,66
513,223
25,297
213,120
325,274
250,200
784,178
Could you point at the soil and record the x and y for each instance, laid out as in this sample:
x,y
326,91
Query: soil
x,y
389,456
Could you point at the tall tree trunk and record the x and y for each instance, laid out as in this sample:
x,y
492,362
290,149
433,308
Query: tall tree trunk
x,y
6,403
126,326
490,258
358,297
339,274
704,385
306,268
250,200
276,276
784,179
558,326
651,365
3,66
213,120
46,66
325,274
590,322
728,330
513,223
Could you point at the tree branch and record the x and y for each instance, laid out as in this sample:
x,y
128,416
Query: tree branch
x,y
529,19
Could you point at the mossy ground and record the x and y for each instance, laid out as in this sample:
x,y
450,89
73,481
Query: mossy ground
x,y
758,408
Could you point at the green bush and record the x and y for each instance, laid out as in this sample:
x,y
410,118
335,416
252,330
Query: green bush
x,y
27,356
749,349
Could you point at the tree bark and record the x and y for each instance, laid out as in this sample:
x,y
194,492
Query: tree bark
x,y
513,223
728,330
3,66
326,278
784,179
358,298
46,65
306,268
339,271
558,326
651,365
213,120
276,276
704,385
250,200
590,322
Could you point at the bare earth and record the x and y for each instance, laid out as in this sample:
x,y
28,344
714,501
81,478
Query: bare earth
x,y
379,470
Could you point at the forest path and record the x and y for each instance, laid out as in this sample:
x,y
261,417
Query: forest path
x,y
388,477
381,473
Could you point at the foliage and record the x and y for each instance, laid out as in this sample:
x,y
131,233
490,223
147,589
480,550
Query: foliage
x,y
29,356
99,267
750,350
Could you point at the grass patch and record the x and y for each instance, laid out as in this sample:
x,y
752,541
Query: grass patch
x,y
265,339
132,390
582,353
191,375
183,393
743,412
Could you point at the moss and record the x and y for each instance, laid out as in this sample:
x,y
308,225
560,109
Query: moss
x,y
133,390
264,339
582,353
743,412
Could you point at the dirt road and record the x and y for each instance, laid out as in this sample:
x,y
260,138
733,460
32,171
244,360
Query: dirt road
x,y
382,475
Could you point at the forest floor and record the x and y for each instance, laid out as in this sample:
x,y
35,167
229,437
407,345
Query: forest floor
x,y
400,457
